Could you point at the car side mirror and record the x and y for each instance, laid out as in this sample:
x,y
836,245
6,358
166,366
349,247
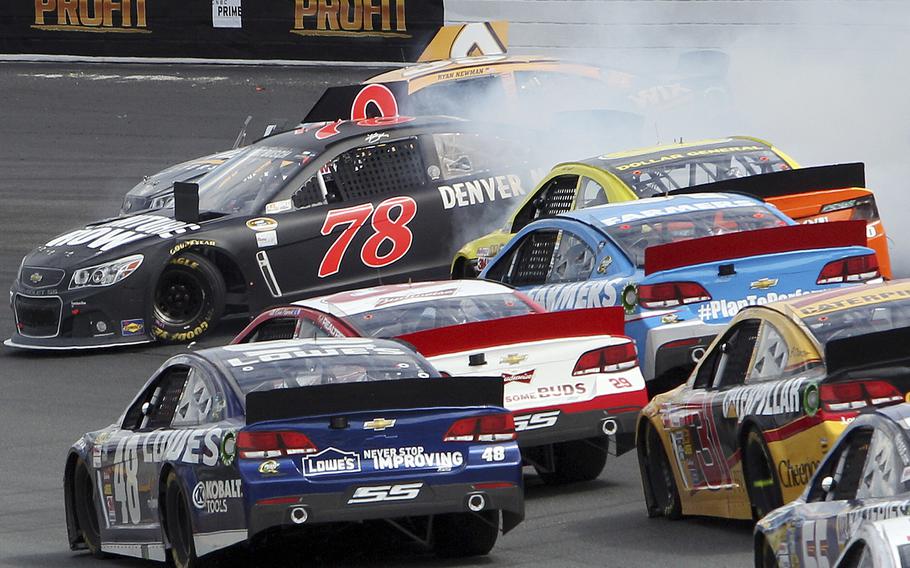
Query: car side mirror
x,y
828,484
146,408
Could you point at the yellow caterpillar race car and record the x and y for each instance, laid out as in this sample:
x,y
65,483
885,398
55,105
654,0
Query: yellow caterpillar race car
x,y
833,194
769,398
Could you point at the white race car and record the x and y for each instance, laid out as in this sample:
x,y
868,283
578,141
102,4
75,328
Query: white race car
x,y
571,377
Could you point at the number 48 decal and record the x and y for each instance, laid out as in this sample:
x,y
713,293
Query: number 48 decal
x,y
385,228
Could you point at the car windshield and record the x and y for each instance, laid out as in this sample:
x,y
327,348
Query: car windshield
x,y
280,364
394,321
827,325
634,237
248,180
650,176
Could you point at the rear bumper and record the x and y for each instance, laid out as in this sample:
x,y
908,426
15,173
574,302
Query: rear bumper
x,y
660,353
547,426
320,508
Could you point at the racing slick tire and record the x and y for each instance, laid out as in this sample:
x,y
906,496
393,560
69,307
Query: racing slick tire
x,y
761,483
188,299
84,505
576,460
178,526
458,535
764,556
661,494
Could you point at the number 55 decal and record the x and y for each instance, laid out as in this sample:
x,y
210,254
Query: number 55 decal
x,y
384,229
402,492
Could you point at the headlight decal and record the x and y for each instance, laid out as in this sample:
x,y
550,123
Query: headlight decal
x,y
105,274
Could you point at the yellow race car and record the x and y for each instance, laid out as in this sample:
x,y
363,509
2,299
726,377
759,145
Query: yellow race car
x,y
769,398
649,172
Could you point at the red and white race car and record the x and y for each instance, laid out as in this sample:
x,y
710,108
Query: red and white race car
x,y
571,377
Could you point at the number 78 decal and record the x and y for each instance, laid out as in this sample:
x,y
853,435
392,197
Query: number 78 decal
x,y
384,228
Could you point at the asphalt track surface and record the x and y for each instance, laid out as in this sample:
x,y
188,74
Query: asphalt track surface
x,y
73,139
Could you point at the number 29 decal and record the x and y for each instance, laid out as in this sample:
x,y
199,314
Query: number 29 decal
x,y
385,228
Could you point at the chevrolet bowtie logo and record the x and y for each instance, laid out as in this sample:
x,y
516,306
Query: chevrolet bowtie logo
x,y
378,424
513,359
36,278
763,284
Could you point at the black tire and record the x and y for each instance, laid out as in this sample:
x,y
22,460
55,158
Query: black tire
x,y
761,481
764,556
576,461
188,299
178,525
86,513
458,535
661,493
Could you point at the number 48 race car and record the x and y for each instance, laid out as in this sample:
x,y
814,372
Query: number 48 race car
x,y
235,444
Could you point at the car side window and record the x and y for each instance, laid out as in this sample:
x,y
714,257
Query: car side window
x,y
591,194
845,465
771,355
573,260
157,405
555,197
884,468
200,402
529,262
736,354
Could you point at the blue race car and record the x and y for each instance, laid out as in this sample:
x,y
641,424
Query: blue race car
x,y
234,444
682,266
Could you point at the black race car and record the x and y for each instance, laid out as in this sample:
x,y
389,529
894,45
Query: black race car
x,y
317,209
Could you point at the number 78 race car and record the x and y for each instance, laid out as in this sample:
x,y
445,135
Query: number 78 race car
x,y
232,445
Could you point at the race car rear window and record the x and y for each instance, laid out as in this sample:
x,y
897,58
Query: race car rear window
x,y
634,237
859,320
650,179
278,365
435,313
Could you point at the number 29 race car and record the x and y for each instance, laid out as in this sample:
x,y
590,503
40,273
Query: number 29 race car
x,y
570,377
234,444
369,201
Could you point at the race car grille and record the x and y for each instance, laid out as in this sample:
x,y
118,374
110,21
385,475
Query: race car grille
x,y
38,317
36,277
380,169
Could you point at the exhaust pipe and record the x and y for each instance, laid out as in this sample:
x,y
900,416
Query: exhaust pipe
x,y
299,515
609,427
476,502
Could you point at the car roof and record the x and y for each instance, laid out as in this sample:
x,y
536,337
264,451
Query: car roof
x,y
490,64
613,213
219,355
615,160
897,413
395,295
841,299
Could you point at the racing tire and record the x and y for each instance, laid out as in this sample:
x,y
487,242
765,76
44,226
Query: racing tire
x,y
576,461
657,477
86,513
761,482
188,299
458,535
178,526
764,556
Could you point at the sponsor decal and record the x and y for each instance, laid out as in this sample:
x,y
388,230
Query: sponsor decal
x,y
269,467
403,492
493,454
278,206
119,232
228,450
412,458
767,399
96,456
524,377
795,474
589,294
763,284
846,522
644,162
717,309
676,210
212,496
262,224
351,19
375,137
328,326
331,461
513,358
267,354
378,424
35,278
111,511
480,191
227,14
415,296
553,391
881,296
815,220
266,239
132,327
96,16
190,243
536,421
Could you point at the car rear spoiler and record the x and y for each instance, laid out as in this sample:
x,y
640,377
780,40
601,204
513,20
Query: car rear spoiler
x,y
754,243
788,182
878,350
344,398
517,329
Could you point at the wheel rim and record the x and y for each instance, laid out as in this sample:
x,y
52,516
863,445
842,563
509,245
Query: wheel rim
x,y
179,297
